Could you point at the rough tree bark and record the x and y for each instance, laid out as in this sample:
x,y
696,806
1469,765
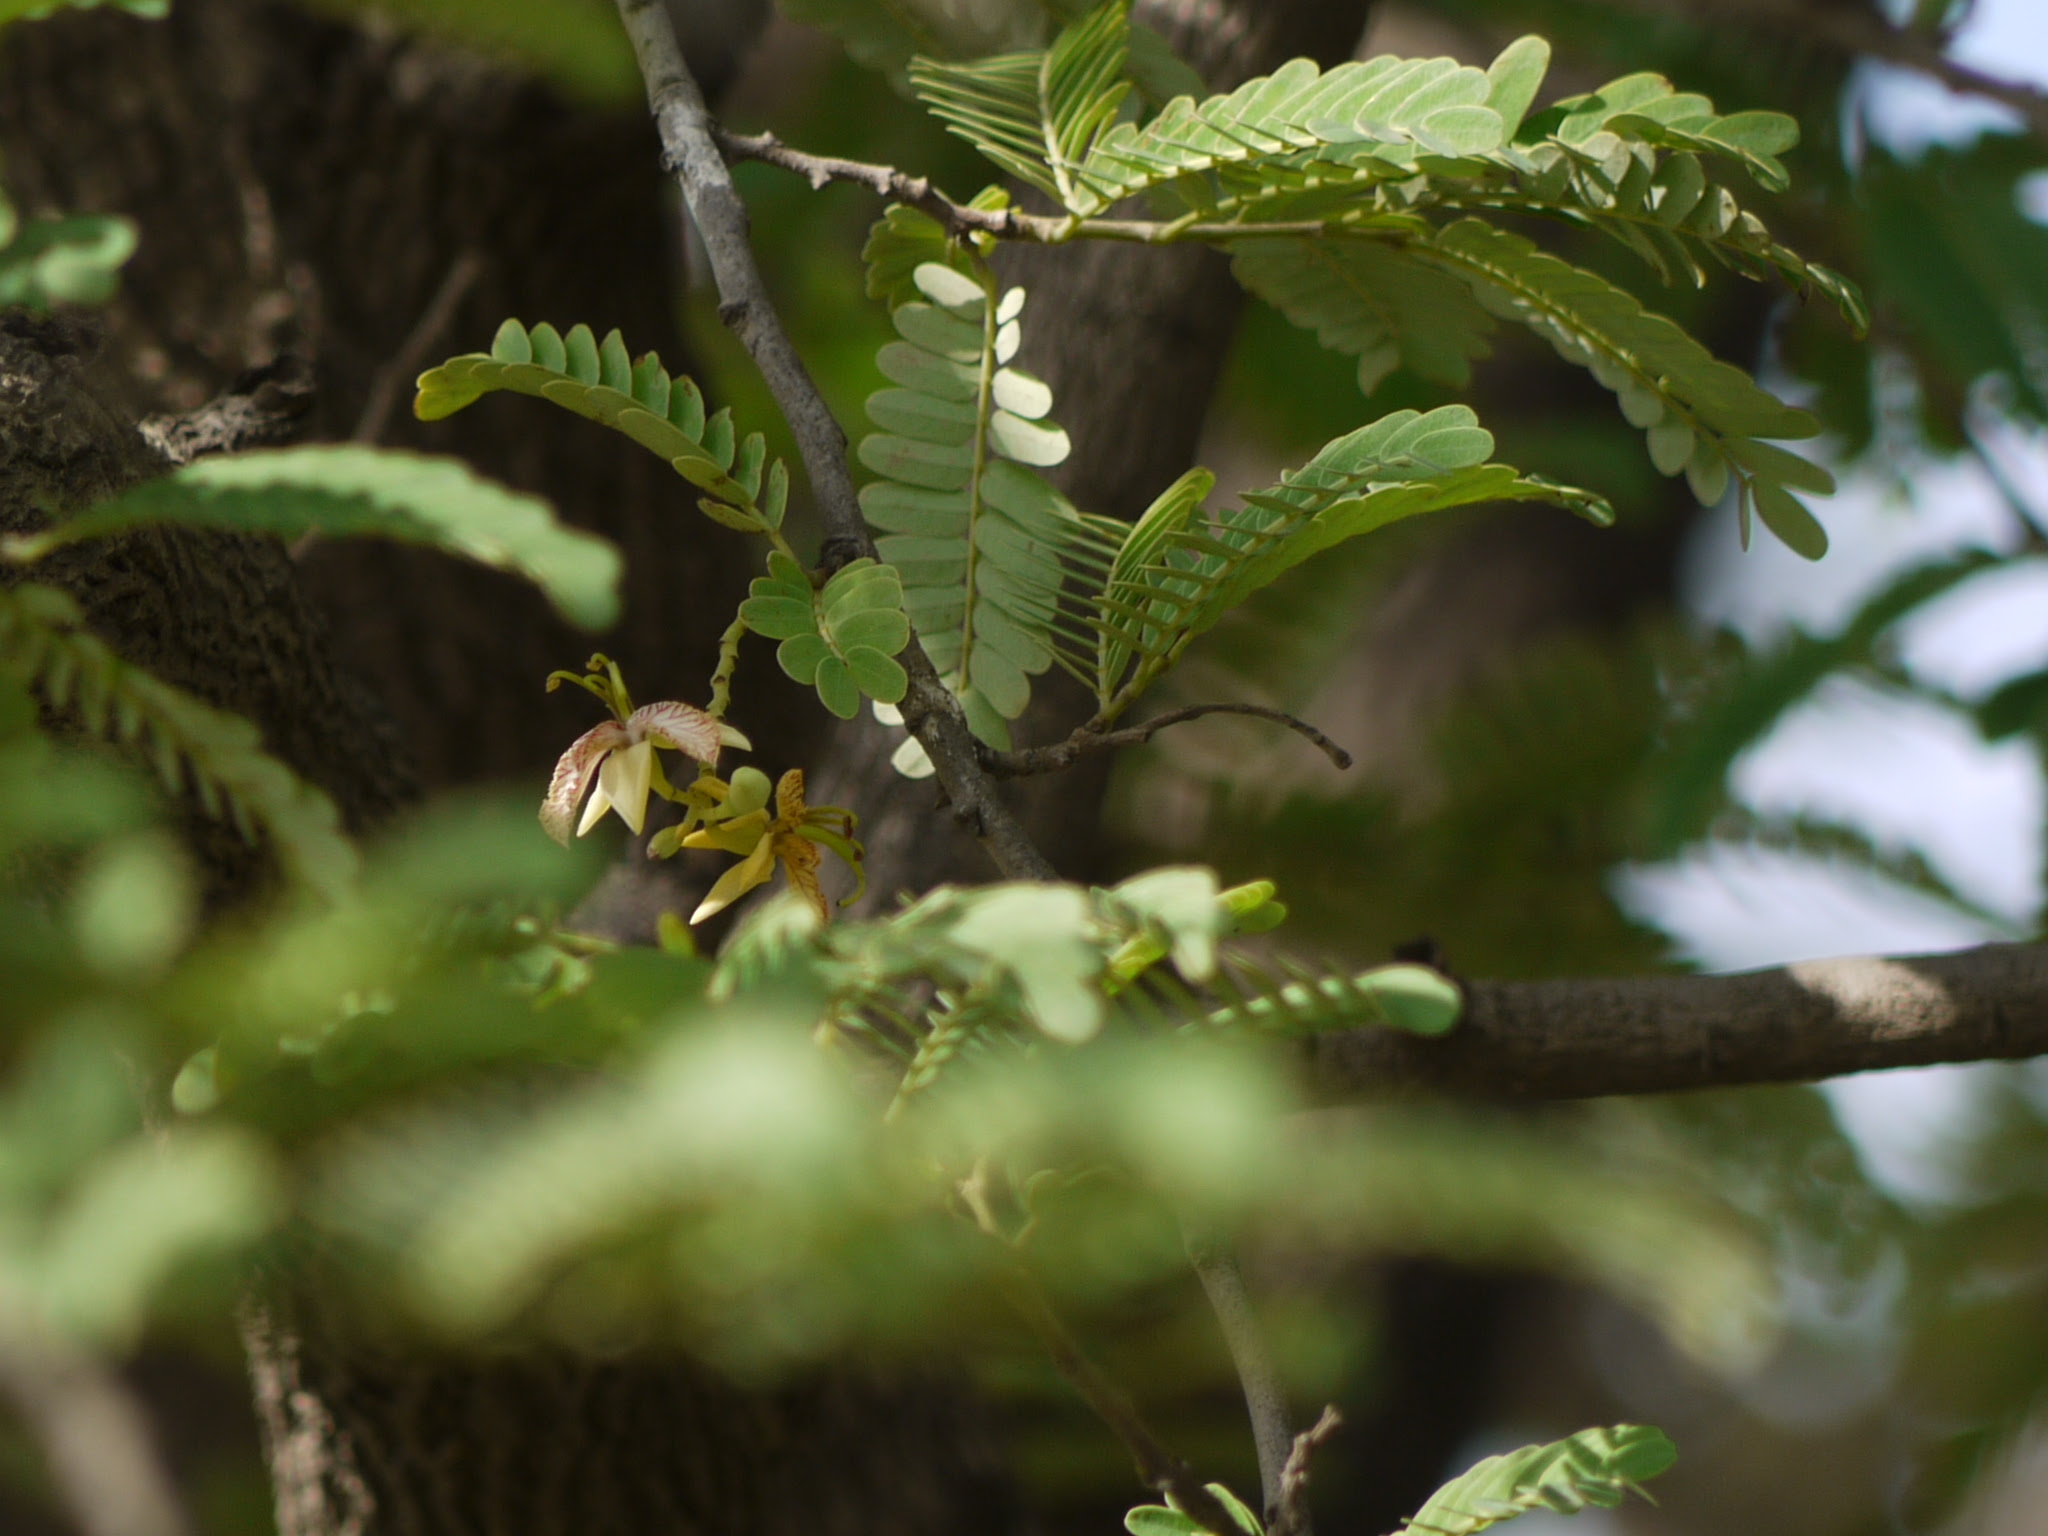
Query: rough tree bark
x,y
301,185
1132,341
307,187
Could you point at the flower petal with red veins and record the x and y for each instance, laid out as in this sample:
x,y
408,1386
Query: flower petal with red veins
x,y
684,727
572,777
800,858
789,798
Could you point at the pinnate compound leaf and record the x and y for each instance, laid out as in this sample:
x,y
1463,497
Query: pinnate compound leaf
x,y
1375,144
1178,573
1039,115
1664,378
1370,300
841,639
599,380
984,545
899,242
216,755
1411,998
1965,266
1596,1468
341,490
1165,1520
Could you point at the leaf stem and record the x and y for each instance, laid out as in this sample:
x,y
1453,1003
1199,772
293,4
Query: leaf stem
x,y
728,663
690,153
1158,1468
1265,1398
1090,739
983,403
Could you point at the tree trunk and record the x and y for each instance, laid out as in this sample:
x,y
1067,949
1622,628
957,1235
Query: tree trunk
x,y
1132,340
371,202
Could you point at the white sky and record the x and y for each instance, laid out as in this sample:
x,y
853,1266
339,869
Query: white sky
x,y
1910,774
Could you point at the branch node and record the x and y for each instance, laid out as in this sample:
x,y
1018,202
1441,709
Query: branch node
x,y
1292,1518
692,153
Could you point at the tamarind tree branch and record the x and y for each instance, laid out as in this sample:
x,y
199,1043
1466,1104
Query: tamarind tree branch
x,y
1025,761
1578,1039
886,181
1293,1519
1011,223
691,155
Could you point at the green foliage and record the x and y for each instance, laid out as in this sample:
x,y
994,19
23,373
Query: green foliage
x,y
340,491
1537,775
840,638
489,1127
97,1217
725,1181
1702,417
2016,706
193,746
1040,115
61,261
602,381
983,543
31,10
1370,300
1410,998
1595,1468
1177,573
576,44
1391,136
1170,1520
885,34
1960,261
1361,152
1738,708
903,240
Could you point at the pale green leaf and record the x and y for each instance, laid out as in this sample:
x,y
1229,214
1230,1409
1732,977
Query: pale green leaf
x,y
343,490
1595,1468
567,371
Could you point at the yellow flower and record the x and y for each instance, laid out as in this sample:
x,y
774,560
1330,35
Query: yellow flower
x,y
620,754
793,836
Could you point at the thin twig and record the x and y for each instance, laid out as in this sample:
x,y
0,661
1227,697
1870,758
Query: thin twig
x,y
1158,1468
1292,1518
405,365
691,155
1013,224
397,375
897,186
1265,1397
1025,761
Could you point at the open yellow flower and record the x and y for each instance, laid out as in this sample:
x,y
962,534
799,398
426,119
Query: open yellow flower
x,y
794,836
619,754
